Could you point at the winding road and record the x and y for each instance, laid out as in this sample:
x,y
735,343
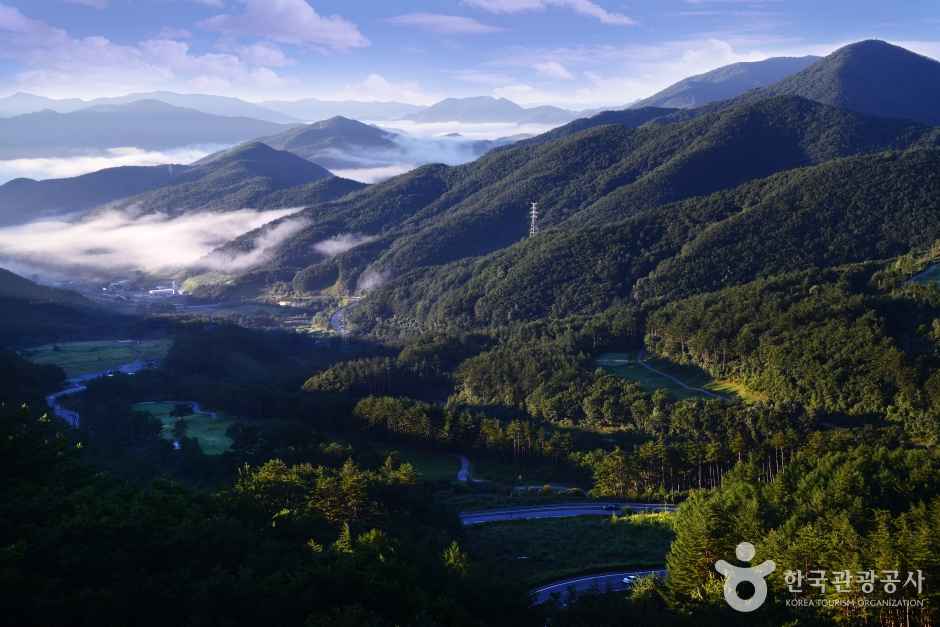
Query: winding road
x,y
601,582
560,510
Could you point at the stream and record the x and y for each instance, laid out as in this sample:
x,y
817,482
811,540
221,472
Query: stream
x,y
76,385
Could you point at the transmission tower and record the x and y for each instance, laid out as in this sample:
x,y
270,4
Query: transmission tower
x,y
534,220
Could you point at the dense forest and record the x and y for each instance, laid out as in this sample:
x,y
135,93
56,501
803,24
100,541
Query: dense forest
x,y
732,310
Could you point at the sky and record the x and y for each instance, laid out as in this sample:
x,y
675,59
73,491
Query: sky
x,y
578,54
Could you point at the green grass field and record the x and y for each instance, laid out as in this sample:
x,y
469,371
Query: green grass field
x,y
539,551
430,466
207,429
79,358
626,365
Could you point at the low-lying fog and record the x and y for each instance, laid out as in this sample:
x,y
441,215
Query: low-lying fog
x,y
446,142
64,167
113,242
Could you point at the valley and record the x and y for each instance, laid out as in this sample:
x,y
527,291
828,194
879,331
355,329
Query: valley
x,y
339,371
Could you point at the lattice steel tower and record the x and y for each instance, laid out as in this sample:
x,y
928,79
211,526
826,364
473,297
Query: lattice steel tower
x,y
534,220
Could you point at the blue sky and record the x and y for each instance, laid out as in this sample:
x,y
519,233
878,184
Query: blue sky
x,y
573,53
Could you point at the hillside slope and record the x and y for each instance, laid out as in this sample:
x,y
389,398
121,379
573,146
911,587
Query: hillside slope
x,y
598,176
871,77
847,210
233,179
725,82
25,200
336,143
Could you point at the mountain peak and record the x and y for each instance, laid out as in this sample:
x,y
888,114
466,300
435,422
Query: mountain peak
x,y
872,77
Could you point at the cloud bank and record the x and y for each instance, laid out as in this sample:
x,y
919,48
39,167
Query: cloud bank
x,y
113,242
63,167
342,243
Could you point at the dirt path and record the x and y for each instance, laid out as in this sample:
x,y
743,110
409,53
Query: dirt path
x,y
642,361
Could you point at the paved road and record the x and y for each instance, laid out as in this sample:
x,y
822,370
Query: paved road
x,y
601,582
561,510
464,473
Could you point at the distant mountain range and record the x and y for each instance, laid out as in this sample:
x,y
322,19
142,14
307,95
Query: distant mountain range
x,y
146,124
484,109
252,175
346,144
729,81
591,173
21,103
475,109
311,109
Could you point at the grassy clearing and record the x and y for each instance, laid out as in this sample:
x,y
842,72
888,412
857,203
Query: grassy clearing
x,y
626,365
430,466
206,428
539,551
733,388
78,358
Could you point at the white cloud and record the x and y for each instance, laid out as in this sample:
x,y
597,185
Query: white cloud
x,y
265,55
554,69
342,243
376,88
168,32
444,24
619,75
291,22
57,64
483,77
583,7
115,242
62,167
375,175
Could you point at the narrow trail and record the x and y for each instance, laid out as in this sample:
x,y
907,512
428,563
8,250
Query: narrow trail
x,y
642,361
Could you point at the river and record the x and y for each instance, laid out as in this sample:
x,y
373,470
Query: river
x,y
76,385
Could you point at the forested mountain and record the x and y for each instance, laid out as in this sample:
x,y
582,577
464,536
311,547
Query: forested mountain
x,y
628,118
601,175
147,124
24,200
853,209
872,77
242,177
34,314
725,82
13,286
487,109
337,143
